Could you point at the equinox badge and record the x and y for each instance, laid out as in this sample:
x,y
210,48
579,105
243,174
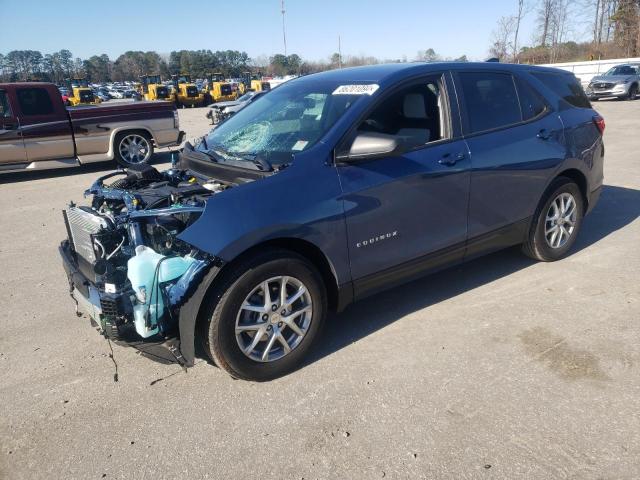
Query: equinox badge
x,y
379,238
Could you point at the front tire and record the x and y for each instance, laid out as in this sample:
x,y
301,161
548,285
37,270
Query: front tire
x,y
633,91
263,318
556,222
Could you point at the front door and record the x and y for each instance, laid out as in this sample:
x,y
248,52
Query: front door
x,y
12,149
46,128
407,213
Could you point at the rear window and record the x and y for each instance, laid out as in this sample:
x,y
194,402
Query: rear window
x,y
34,101
531,102
566,87
5,109
490,99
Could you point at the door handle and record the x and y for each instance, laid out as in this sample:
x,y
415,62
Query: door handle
x,y
543,134
450,160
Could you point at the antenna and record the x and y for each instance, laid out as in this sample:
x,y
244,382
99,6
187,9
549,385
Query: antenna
x,y
284,33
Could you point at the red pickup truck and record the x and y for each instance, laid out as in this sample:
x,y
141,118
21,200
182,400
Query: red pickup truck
x,y
37,131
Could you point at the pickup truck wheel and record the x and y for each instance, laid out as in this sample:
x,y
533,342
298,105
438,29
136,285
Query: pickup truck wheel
x,y
132,148
264,318
556,222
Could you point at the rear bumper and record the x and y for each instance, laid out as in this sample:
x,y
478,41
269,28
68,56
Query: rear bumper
x,y
594,196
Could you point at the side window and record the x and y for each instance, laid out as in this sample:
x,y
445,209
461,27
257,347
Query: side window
x,y
412,114
531,102
490,99
5,109
566,86
34,101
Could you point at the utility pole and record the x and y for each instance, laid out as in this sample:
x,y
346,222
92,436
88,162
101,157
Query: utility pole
x,y
339,53
284,33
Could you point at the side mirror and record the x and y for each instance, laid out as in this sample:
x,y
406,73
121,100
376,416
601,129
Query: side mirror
x,y
368,146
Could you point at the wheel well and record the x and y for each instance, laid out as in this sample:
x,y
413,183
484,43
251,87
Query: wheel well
x,y
578,177
132,130
307,250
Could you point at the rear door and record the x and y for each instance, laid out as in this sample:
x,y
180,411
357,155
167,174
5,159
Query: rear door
x,y
46,128
11,144
407,213
516,142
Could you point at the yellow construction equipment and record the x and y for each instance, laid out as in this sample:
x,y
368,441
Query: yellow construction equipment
x,y
80,93
253,81
152,88
186,92
219,90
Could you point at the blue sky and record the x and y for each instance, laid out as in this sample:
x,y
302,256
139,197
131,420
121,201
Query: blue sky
x,y
381,28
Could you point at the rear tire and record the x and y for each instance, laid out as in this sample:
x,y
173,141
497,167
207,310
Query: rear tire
x,y
133,147
554,230
229,331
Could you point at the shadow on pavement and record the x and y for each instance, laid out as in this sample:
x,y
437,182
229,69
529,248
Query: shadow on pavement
x,y
617,208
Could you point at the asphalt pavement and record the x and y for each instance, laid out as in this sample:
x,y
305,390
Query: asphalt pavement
x,y
499,369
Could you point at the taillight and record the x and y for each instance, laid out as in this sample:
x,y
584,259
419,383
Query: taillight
x,y
599,121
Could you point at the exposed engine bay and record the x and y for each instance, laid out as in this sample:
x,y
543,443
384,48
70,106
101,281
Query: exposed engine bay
x,y
132,270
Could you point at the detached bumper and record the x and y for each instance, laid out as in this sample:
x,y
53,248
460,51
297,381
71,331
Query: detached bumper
x,y
100,306
109,310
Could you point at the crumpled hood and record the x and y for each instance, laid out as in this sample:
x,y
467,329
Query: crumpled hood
x,y
612,78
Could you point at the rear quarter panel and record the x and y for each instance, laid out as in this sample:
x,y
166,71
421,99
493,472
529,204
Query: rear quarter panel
x,y
584,146
96,127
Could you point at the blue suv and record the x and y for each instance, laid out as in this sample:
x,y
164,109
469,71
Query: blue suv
x,y
330,188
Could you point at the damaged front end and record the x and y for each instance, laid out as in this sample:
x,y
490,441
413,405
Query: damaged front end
x,y
126,266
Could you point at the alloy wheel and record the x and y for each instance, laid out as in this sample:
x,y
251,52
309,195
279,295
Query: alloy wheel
x,y
561,219
274,318
134,148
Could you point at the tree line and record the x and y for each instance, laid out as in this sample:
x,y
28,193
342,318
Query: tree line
x,y
569,31
21,65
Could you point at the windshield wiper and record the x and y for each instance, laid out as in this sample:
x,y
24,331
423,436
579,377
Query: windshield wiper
x,y
259,162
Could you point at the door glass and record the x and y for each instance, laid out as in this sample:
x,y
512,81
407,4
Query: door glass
x,y
412,114
5,109
490,100
34,101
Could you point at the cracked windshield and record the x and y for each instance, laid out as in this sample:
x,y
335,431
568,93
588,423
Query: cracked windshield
x,y
278,125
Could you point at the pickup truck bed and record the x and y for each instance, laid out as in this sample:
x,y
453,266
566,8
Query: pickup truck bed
x,y
38,132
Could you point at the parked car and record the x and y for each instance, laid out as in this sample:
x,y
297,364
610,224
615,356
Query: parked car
x,y
331,188
37,131
621,81
220,111
115,93
102,96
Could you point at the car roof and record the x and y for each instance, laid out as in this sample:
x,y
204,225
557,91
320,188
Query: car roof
x,y
392,71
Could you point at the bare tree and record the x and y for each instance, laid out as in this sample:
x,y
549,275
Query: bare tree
x,y
522,12
545,12
501,43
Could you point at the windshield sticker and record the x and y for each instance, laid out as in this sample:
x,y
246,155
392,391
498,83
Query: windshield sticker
x,y
299,145
356,89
